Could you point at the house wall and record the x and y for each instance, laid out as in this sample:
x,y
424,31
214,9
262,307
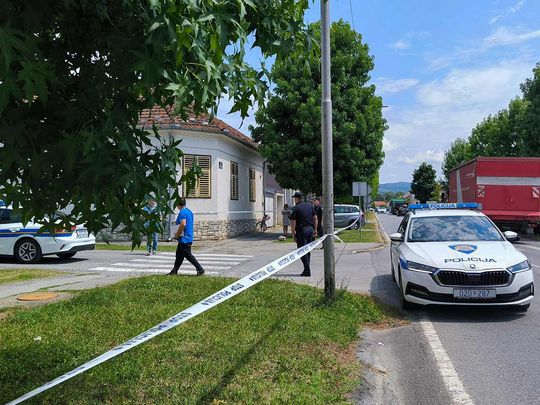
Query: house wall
x,y
219,217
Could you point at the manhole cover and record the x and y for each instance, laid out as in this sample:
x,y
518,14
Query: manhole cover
x,y
40,296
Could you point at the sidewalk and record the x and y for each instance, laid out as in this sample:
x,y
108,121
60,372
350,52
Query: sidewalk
x,y
259,244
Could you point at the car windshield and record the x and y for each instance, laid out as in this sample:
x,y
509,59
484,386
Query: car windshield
x,y
452,228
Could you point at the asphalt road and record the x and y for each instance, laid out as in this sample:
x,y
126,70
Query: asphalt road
x,y
488,355
446,355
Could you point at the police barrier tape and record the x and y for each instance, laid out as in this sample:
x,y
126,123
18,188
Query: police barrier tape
x,y
222,295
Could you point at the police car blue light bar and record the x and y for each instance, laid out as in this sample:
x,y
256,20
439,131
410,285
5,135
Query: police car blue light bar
x,y
446,206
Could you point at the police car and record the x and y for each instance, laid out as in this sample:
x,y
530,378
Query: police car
x,y
28,245
451,254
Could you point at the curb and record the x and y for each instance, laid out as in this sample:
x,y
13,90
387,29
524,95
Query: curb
x,y
380,247
382,232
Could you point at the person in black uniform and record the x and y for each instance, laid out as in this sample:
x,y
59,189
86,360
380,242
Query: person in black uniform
x,y
304,227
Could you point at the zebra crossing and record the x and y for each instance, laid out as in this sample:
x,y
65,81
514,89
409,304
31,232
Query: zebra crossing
x,y
163,262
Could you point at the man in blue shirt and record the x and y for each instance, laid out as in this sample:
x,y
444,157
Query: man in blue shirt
x,y
184,235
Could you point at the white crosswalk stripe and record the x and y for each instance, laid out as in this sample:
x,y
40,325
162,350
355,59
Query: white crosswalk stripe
x,y
166,266
172,261
163,263
210,255
160,271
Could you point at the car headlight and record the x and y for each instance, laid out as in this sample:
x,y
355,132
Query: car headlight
x,y
517,268
421,267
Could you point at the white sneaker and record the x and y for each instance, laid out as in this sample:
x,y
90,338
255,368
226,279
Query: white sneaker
x,y
148,254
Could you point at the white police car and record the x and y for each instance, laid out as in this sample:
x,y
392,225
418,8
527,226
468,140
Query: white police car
x,y
29,246
451,254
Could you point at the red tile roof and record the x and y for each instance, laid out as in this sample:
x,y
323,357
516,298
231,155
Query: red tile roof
x,y
165,118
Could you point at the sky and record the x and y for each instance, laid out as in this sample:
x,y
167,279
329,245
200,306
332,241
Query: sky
x,y
440,67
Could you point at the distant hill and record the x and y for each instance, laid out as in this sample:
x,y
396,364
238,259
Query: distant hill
x,y
401,186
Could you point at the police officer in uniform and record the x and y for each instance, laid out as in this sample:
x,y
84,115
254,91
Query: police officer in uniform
x,y
304,227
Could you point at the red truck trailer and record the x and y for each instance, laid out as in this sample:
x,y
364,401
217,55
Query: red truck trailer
x,y
508,189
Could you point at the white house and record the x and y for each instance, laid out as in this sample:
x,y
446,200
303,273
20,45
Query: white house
x,y
228,198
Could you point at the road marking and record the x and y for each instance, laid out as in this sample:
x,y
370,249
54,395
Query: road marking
x,y
164,266
161,271
171,260
153,261
537,266
165,261
224,255
210,255
446,368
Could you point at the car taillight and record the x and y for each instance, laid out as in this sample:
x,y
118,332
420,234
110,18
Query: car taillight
x,y
62,230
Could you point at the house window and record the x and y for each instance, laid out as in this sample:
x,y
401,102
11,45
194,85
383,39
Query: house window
x,y
252,185
234,181
202,188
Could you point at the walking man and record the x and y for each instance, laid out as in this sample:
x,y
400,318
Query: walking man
x,y
184,235
303,226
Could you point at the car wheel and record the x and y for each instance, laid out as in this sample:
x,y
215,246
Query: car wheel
x,y
521,308
356,224
28,251
405,305
66,255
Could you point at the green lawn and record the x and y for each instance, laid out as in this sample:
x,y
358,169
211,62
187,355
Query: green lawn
x,y
276,343
142,248
16,275
368,234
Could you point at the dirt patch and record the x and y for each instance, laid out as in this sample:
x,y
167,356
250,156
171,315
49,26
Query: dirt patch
x,y
4,315
388,323
14,302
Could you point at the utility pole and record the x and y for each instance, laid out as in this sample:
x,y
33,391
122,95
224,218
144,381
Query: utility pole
x,y
327,156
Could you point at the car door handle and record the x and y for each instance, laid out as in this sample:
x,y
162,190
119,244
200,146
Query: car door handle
x,y
14,229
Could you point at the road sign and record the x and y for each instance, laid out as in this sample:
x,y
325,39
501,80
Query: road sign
x,y
359,188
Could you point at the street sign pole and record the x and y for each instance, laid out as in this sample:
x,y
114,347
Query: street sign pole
x,y
327,156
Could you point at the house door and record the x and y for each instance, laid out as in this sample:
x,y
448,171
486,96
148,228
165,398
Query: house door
x,y
279,206
270,211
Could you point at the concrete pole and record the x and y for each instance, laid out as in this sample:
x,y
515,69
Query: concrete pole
x,y
327,156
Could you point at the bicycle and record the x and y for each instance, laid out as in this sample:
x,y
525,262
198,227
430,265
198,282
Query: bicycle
x,y
261,225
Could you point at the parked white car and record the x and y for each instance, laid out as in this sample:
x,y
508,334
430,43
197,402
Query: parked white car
x,y
458,257
28,245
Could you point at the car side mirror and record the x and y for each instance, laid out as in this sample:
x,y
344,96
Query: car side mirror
x,y
511,236
396,237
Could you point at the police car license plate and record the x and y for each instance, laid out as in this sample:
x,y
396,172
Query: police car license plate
x,y
82,233
474,294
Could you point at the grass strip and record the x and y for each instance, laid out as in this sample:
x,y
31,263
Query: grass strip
x,y
17,275
368,234
276,343
142,248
